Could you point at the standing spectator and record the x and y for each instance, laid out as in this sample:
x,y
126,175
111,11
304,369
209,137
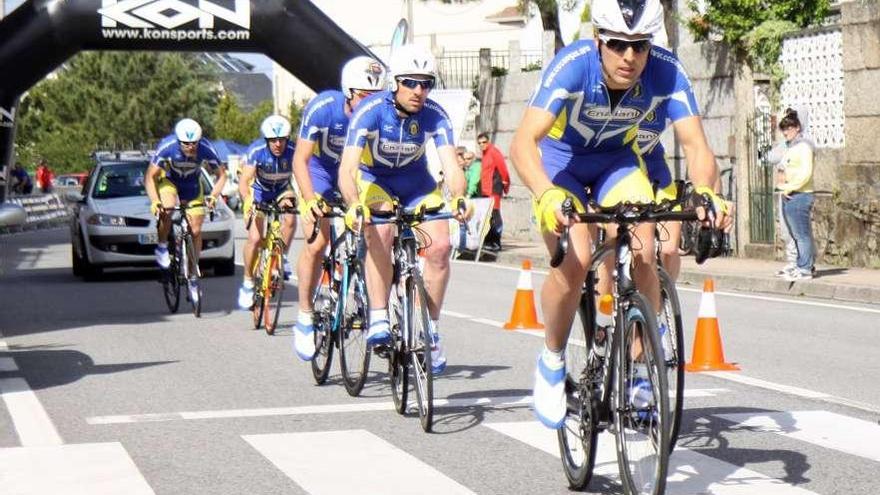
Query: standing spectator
x,y
471,169
494,182
44,176
797,194
21,180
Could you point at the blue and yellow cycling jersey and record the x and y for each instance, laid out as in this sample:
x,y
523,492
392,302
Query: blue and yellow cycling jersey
x,y
573,89
390,141
273,172
181,170
325,122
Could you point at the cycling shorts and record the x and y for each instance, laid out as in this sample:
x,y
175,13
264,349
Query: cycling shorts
x,y
261,196
413,188
186,195
659,174
612,177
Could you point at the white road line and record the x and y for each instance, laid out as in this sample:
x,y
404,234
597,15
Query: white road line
x,y
454,314
689,472
28,416
77,469
377,467
781,300
8,364
486,321
823,428
797,391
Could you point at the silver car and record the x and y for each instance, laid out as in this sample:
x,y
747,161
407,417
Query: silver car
x,y
112,225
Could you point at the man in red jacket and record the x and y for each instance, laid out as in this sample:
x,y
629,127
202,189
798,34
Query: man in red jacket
x,y
494,182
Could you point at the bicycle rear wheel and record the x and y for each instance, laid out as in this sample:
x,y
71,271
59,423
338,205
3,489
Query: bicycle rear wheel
x,y
578,436
324,304
398,359
257,308
420,353
670,315
642,410
273,284
354,355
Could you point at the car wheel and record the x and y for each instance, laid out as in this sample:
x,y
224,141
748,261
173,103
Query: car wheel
x,y
77,262
89,271
225,268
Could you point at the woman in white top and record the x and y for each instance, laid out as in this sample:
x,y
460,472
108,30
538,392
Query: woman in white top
x,y
797,194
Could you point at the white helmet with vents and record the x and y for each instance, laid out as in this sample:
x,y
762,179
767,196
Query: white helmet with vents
x,y
188,131
630,17
275,126
412,60
364,73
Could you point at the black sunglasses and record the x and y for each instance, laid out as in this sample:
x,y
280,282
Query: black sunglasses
x,y
620,46
413,83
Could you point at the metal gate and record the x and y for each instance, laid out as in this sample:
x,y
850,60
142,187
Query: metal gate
x,y
761,179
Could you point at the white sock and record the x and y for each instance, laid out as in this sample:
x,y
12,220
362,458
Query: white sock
x,y
553,359
162,245
248,283
378,314
305,317
435,325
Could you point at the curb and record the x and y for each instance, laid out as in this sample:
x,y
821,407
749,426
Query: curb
x,y
815,288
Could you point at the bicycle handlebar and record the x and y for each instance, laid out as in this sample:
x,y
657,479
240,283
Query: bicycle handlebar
x,y
330,209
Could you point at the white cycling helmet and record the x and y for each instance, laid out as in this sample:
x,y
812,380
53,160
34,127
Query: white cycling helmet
x,y
275,126
630,17
188,131
412,60
362,73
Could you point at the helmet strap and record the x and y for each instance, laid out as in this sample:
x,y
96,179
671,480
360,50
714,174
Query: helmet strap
x,y
399,108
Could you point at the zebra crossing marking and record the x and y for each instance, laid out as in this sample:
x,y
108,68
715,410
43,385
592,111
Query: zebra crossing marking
x,y
375,463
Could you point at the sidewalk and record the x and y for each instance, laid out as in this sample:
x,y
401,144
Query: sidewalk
x,y
749,275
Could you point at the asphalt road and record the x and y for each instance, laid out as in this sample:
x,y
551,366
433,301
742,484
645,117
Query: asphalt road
x,y
105,392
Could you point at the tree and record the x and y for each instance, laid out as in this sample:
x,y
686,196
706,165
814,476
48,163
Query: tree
x,y
117,99
549,12
232,123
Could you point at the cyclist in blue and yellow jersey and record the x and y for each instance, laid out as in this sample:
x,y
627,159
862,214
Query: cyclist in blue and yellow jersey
x,y
265,178
174,176
384,157
316,168
579,131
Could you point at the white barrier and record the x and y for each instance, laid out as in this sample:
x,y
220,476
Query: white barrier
x,y
42,209
477,228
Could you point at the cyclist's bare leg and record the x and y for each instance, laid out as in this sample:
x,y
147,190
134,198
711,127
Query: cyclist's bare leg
x,y
645,263
436,273
309,264
670,237
195,225
562,287
288,224
169,200
379,240
255,237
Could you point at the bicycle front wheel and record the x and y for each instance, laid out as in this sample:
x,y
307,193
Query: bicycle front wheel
x,y
354,356
642,410
578,436
398,359
673,348
273,285
257,308
171,283
195,297
324,305
420,353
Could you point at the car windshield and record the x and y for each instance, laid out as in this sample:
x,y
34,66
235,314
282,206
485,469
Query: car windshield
x,y
120,181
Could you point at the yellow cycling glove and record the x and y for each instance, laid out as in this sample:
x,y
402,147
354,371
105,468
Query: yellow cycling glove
x,y
550,201
312,206
718,203
155,207
351,216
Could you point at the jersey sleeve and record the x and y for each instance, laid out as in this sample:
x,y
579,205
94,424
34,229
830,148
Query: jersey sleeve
x,y
564,76
682,102
164,153
364,121
439,125
209,157
251,157
315,118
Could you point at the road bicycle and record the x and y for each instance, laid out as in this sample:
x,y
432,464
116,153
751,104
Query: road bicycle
x,y
184,269
411,329
269,267
341,307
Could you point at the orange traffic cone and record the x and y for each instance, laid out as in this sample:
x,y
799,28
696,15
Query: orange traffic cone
x,y
523,314
708,355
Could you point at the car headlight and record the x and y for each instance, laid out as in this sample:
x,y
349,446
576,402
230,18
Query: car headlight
x,y
106,220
